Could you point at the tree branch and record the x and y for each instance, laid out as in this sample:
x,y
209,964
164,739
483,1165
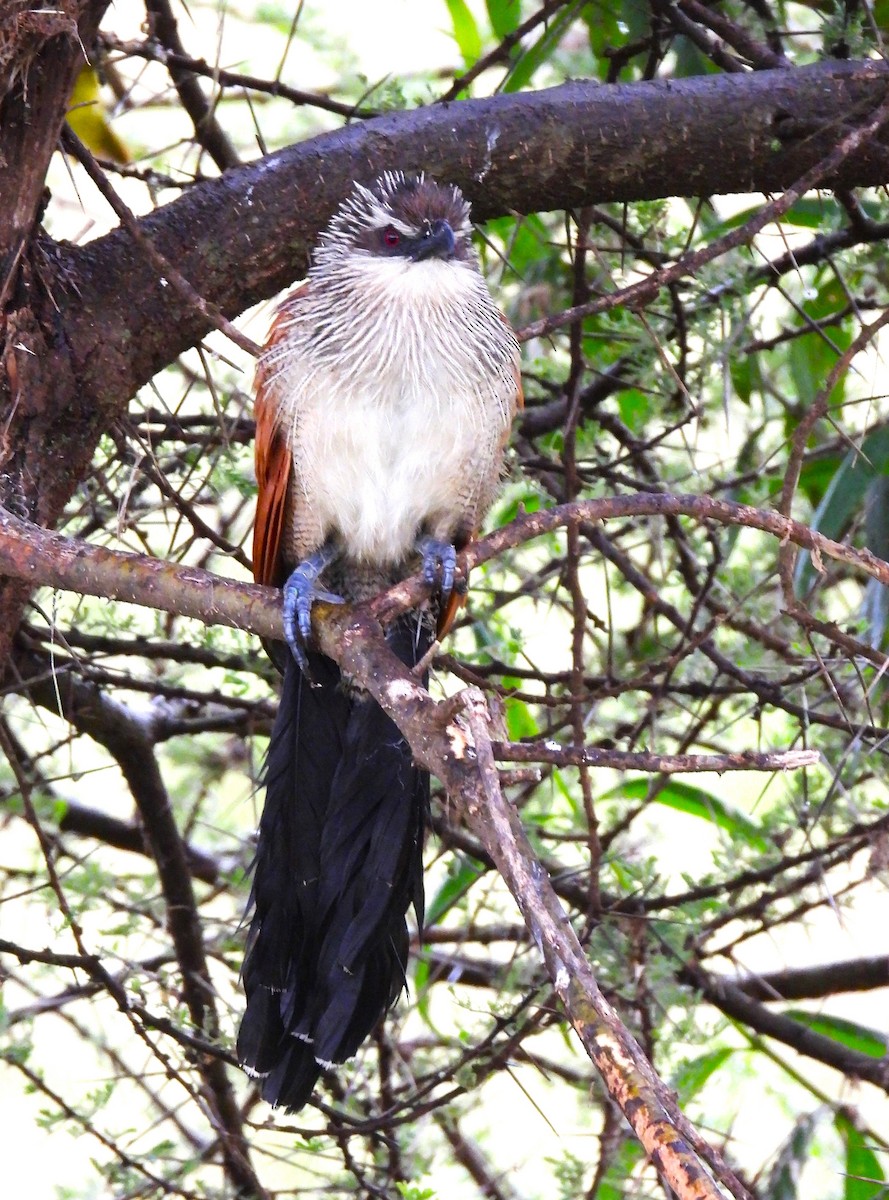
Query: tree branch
x,y
655,764
207,130
42,50
124,736
825,979
44,558
99,320
451,738
705,135
735,1002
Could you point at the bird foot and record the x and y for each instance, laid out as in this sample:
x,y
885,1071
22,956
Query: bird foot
x,y
300,593
439,564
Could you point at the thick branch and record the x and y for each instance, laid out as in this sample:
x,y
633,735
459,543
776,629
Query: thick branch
x,y
80,345
825,979
730,999
28,552
41,50
700,136
454,754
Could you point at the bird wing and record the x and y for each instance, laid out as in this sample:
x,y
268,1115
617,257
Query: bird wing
x,y
273,468
274,463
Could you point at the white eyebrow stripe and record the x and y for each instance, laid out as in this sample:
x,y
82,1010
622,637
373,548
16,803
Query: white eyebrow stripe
x,y
384,220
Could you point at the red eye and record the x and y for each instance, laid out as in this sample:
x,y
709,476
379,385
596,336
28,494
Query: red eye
x,y
391,236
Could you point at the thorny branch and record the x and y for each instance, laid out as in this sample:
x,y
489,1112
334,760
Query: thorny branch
x,y
50,559
670,679
435,733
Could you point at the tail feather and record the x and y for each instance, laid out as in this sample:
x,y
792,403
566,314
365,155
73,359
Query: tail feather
x,y
339,863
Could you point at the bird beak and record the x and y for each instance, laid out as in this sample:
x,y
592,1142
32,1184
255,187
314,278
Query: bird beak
x,y
437,241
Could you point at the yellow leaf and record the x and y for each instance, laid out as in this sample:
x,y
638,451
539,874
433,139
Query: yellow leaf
x,y
87,117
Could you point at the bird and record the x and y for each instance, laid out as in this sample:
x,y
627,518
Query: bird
x,y
384,399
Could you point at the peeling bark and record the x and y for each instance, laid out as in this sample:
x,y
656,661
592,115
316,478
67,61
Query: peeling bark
x,y
41,51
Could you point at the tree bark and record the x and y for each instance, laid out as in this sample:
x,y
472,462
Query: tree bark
x,y
41,51
565,147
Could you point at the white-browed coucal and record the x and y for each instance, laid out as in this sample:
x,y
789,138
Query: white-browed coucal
x,y
385,395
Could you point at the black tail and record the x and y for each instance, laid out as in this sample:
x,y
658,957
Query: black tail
x,y
339,863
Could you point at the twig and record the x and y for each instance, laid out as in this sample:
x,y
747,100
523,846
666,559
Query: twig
x,y
663,764
207,130
30,552
270,87
761,56
673,1146
123,735
501,50
165,269
132,1164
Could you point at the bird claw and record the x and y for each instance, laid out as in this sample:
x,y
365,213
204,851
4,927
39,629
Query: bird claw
x,y
301,591
439,564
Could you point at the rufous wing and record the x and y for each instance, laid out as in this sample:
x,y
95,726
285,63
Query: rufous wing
x,y
274,466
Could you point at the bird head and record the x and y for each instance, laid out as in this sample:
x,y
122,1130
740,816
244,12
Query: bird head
x,y
406,217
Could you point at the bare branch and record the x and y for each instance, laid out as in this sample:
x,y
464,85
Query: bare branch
x,y
44,558
656,764
699,136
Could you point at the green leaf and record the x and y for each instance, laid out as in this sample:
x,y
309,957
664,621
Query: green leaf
x,y
412,1191
864,1175
813,356
783,1180
465,872
875,608
614,1185
504,15
816,477
694,1073
612,27
635,409
876,517
466,31
519,721
881,14
690,60
537,54
848,1033
421,990
528,502
746,375
810,214
850,490
684,797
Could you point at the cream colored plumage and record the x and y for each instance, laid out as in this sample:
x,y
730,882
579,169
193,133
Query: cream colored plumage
x,y
396,413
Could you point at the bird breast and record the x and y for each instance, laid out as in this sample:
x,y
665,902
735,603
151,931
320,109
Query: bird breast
x,y
397,411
